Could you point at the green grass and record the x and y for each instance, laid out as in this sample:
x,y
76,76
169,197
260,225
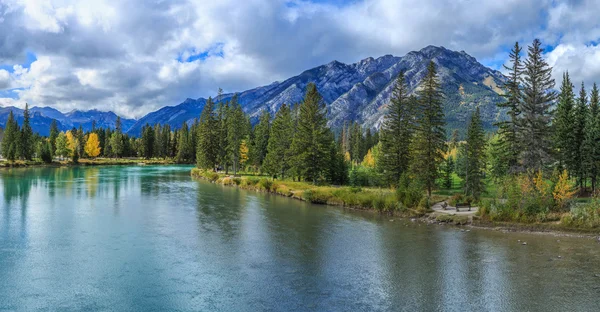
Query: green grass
x,y
87,162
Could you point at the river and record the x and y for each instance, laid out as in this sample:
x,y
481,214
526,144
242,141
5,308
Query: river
x,y
151,238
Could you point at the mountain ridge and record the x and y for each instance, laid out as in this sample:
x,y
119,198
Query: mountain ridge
x,y
358,91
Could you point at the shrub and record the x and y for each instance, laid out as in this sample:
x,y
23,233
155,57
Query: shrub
x,y
266,184
424,203
456,199
227,181
315,196
212,176
409,192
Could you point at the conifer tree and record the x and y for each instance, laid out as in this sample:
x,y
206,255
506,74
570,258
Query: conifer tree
x,y
581,116
509,143
564,125
11,137
533,124
397,133
260,139
430,135
26,140
277,161
53,135
475,165
236,132
591,146
207,150
311,142
148,141
185,148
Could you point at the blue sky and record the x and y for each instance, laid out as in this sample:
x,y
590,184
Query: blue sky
x,y
136,56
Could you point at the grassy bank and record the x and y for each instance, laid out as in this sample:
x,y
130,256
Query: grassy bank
x,y
87,162
378,199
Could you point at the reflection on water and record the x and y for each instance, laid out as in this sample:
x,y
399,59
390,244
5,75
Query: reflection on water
x,y
151,239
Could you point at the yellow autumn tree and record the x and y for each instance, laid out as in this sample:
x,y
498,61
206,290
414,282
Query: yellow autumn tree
x,y
369,160
563,190
92,145
347,156
72,141
243,153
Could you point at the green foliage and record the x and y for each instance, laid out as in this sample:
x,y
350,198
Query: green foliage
x,y
277,161
363,176
585,215
475,163
10,147
430,136
207,151
312,141
591,144
409,191
260,139
397,132
26,141
507,146
45,151
533,123
266,184
148,139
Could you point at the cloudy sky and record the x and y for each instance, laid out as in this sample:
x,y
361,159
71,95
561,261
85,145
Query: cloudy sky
x,y
134,56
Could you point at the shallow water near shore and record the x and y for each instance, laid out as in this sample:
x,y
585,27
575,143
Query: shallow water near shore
x,y
151,238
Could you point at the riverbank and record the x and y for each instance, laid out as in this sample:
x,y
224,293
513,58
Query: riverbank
x,y
374,199
384,201
87,162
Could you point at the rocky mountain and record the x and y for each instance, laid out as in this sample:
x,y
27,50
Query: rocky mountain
x,y
361,91
41,118
353,92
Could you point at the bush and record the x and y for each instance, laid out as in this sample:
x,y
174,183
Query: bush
x,y
227,181
266,184
424,203
237,181
584,215
212,176
409,192
316,196
456,199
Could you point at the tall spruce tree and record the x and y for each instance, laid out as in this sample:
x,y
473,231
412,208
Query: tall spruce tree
x,y
513,94
277,161
475,162
591,147
53,135
430,135
311,140
397,132
148,141
237,131
260,139
581,116
207,150
26,140
564,125
185,147
533,124
11,136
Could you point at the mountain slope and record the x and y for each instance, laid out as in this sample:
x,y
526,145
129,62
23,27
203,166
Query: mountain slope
x,y
360,91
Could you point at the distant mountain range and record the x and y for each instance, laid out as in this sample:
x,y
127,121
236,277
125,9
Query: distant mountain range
x,y
41,118
358,92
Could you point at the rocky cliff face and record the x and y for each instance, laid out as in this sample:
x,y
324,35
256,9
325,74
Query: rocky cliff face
x,y
361,91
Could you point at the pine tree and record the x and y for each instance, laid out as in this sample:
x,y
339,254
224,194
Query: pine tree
x,y
474,182
26,140
277,161
236,132
564,124
11,137
430,135
509,143
207,150
311,141
591,147
53,135
397,132
185,147
148,141
533,124
581,116
260,140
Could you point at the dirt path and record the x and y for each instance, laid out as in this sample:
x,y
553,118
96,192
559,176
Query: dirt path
x,y
438,207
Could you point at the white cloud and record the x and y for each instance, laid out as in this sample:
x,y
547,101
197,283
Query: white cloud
x,y
122,55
